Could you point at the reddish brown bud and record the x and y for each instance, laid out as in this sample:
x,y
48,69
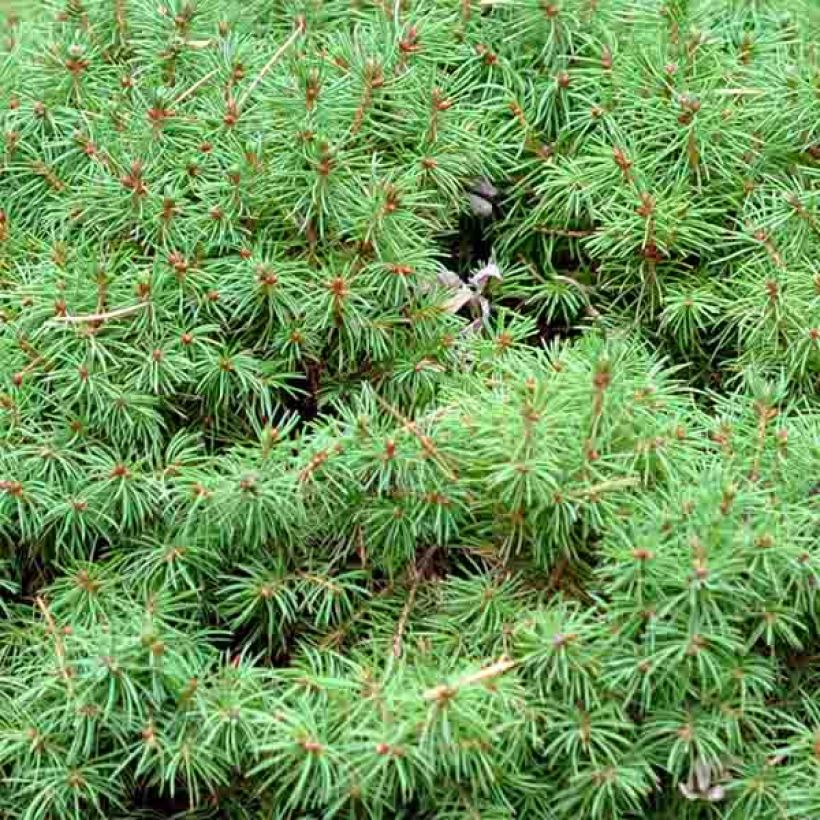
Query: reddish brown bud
x,y
178,262
441,104
773,290
231,116
266,276
312,93
158,115
765,541
325,165
602,380
410,43
647,206
621,160
338,287
13,488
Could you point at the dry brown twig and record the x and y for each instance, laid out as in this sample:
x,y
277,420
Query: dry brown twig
x,y
59,646
269,65
416,571
194,88
99,317
445,691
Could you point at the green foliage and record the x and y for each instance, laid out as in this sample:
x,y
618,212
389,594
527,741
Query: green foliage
x,y
410,409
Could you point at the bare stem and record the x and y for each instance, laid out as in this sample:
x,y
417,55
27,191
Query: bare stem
x,y
194,88
573,234
99,317
405,616
269,65
59,646
604,487
445,691
416,572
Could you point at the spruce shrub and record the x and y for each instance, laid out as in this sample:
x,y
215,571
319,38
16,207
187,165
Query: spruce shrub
x,y
409,409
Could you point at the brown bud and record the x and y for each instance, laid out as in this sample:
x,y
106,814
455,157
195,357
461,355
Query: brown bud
x,y
178,262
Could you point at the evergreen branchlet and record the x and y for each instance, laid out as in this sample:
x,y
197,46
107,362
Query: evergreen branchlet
x,y
409,409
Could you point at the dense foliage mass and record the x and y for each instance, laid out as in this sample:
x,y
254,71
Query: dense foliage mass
x,y
410,409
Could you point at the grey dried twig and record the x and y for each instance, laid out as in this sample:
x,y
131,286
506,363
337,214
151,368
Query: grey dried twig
x,y
699,785
470,292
